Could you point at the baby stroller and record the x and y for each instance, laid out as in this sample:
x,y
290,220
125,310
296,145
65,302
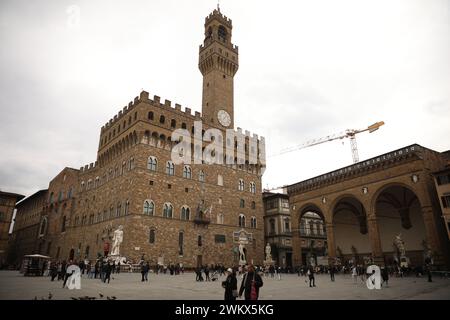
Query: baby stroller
x,y
215,276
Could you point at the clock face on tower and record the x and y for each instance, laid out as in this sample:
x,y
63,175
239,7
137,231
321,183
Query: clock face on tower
x,y
224,118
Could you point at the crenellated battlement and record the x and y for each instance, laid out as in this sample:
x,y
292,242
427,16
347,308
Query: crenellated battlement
x,y
89,167
216,14
156,101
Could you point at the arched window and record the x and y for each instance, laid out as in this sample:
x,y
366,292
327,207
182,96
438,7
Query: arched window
x,y
220,218
60,196
119,209
168,209
173,123
187,172
252,187
51,194
201,176
152,163
242,203
124,165
241,221
69,195
222,33
180,243
162,119
253,204
127,207
150,115
253,222
151,237
183,125
241,185
287,225
131,164
149,207
185,213
272,226
219,180
170,168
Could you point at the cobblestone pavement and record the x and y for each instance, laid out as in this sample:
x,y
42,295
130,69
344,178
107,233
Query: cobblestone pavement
x,y
14,285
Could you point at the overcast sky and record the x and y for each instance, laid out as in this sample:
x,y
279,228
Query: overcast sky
x,y
307,69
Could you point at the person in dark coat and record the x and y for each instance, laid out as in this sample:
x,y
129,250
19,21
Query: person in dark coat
x,y
311,276
230,285
108,271
332,272
251,277
385,275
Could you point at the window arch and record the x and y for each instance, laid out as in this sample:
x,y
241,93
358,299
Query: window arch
x,y
151,236
241,185
162,119
241,221
149,207
252,187
150,115
127,207
119,209
170,168
222,33
152,163
185,213
187,172
201,176
131,164
253,205
253,222
183,125
168,210
220,218
173,123
242,203
272,226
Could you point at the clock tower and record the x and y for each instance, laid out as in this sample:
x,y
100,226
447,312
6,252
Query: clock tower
x,y
218,63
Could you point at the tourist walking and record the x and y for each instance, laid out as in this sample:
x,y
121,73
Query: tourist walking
x,y
250,284
230,285
332,272
384,276
108,271
207,273
312,279
144,271
354,274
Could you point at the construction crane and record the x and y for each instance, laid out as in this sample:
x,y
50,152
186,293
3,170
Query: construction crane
x,y
349,133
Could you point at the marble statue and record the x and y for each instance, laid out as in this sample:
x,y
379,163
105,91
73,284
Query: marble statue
x,y
117,240
241,253
400,245
268,251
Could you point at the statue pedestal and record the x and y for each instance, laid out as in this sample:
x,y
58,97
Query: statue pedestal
x,y
269,262
117,258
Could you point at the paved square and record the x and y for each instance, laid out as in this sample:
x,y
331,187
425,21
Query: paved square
x,y
14,285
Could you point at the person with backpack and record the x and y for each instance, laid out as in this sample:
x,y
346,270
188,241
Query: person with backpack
x,y
251,283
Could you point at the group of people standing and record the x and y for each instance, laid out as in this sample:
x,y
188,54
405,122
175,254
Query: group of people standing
x,y
250,284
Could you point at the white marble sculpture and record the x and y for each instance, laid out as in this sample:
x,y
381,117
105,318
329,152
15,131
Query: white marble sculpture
x,y
117,240
242,259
